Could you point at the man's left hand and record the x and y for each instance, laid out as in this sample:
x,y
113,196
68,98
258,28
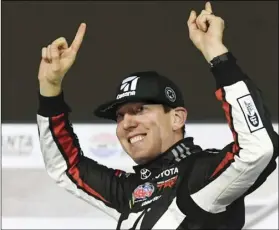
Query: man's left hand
x,y
206,32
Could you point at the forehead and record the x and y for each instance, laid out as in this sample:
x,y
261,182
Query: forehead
x,y
129,106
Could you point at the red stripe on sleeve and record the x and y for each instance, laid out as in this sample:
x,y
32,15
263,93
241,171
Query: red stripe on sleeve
x,y
229,156
66,141
117,172
226,107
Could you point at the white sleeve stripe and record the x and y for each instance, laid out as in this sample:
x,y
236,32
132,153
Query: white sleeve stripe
x,y
71,153
56,167
255,153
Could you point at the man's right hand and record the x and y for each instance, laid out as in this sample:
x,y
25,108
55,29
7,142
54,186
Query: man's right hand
x,y
57,59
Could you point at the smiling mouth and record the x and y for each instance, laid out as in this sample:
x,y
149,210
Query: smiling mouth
x,y
137,138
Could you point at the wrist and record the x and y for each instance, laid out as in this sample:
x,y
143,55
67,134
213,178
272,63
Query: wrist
x,y
50,90
52,106
214,51
226,71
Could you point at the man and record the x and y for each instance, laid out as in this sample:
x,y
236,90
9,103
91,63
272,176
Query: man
x,y
176,184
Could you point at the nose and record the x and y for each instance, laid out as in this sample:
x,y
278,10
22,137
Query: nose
x,y
129,121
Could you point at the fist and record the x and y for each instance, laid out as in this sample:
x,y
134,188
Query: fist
x,y
57,58
206,32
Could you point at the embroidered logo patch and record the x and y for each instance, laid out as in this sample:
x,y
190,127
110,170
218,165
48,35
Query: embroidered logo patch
x,y
142,192
167,172
250,113
170,94
144,173
167,183
128,87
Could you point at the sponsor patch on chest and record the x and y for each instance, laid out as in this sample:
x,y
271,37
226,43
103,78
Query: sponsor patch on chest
x,y
170,183
143,192
151,200
167,172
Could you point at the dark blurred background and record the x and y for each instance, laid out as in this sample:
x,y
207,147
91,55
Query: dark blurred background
x,y
125,37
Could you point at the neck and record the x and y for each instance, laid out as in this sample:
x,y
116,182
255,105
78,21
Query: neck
x,y
171,143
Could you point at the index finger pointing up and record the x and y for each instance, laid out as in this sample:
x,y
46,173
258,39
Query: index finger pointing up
x,y
79,37
208,7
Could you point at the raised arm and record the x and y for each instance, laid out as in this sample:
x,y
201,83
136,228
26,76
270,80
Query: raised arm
x,y
105,188
247,162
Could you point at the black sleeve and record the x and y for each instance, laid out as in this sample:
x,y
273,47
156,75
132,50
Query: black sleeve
x,y
244,164
105,188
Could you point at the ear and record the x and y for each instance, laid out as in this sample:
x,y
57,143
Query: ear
x,y
180,116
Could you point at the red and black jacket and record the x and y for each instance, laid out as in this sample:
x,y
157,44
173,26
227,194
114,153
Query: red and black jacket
x,y
184,188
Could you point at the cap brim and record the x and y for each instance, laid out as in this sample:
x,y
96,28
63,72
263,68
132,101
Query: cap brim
x,y
108,109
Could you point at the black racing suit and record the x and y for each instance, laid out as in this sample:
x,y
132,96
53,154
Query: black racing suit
x,y
186,187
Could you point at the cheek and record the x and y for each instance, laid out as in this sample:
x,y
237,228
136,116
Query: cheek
x,y
164,126
149,121
159,124
121,138
119,133
163,120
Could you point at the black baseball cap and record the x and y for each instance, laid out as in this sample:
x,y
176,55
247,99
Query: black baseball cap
x,y
147,86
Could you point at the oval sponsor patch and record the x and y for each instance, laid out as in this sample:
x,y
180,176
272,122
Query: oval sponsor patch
x,y
143,191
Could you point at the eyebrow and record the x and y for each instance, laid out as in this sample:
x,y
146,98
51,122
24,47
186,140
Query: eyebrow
x,y
139,105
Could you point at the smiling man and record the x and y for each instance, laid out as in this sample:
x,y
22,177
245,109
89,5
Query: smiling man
x,y
151,120
176,184
144,130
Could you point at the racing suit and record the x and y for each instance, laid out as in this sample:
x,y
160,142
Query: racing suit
x,y
186,187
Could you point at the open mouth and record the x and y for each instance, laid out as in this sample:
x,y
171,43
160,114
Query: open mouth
x,y
137,138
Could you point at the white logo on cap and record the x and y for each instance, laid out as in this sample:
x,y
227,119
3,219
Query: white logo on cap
x,y
170,94
128,87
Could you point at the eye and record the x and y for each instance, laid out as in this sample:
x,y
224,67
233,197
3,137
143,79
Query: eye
x,y
140,109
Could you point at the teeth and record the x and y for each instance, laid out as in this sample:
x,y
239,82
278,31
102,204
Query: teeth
x,y
136,139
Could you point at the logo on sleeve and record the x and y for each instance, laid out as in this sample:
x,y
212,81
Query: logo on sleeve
x,y
251,113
